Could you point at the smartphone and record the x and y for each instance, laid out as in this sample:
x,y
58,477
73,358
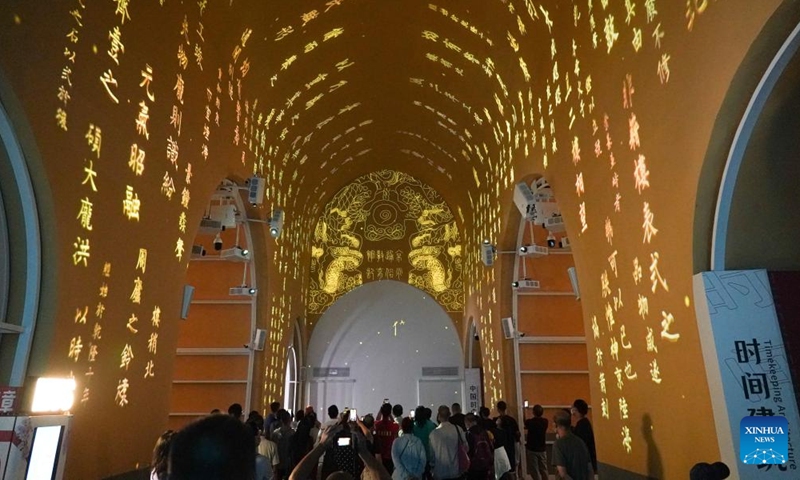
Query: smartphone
x,y
343,441
385,400
353,416
411,414
526,404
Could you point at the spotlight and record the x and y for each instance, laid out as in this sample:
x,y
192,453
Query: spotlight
x,y
243,290
218,242
276,223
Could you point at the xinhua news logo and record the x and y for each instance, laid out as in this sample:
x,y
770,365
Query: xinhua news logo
x,y
764,440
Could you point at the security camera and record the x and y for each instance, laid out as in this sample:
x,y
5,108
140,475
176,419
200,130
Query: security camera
x,y
477,337
521,334
218,243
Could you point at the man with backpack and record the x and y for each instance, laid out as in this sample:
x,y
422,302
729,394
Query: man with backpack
x,y
481,450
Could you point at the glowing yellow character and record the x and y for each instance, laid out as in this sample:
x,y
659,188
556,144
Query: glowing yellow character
x,y
637,39
626,439
618,374
283,33
122,10
666,323
185,197
605,286
623,408
663,68
100,310
629,373
148,369
136,294
121,397
643,306
286,63
179,249
604,407
82,253
182,222
332,3
598,356
141,120
75,348
188,172
633,132
107,79
332,34
131,204
609,230
103,290
655,373
582,214
637,271
155,320
152,343
307,17
93,352
602,380
115,36
649,230
168,186
85,214
651,341
136,160
178,89
650,10
172,151
63,95
80,315
614,349
183,60
595,328
611,34
126,356
61,118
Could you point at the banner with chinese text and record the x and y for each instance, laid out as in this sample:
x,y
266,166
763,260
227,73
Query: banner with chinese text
x,y
746,364
472,389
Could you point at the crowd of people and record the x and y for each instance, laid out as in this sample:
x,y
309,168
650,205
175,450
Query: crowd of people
x,y
389,445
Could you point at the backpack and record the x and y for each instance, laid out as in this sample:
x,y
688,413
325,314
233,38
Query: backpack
x,y
483,453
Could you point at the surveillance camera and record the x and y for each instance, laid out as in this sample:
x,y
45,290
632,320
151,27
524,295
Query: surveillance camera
x,y
218,242
521,334
477,337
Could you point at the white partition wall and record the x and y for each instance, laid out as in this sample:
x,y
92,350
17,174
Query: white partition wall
x,y
384,340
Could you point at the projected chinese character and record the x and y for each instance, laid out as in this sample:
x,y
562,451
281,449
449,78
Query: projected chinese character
x,y
141,120
666,323
126,356
107,79
75,348
623,408
82,253
61,119
156,318
152,343
141,261
115,36
655,374
131,204
604,407
136,294
626,439
130,325
148,369
655,275
85,214
121,397
80,315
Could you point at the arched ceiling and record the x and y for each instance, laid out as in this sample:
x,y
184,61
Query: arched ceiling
x,y
348,87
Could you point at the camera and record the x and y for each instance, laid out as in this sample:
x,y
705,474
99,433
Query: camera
x,y
218,243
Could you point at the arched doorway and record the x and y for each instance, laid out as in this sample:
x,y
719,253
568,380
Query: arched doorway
x,y
21,240
384,340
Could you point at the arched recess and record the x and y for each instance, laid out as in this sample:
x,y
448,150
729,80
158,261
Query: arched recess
x,y
292,387
758,192
216,357
21,252
549,342
385,339
743,109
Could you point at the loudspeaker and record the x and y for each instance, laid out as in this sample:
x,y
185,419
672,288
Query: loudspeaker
x,y
259,340
573,279
188,293
508,327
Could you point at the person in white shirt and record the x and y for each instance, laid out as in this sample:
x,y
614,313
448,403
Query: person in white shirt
x,y
266,456
444,443
333,420
408,454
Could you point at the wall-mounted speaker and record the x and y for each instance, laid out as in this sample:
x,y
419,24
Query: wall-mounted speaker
x,y
188,293
508,327
573,279
259,340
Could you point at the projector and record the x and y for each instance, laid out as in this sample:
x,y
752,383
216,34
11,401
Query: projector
x,y
526,284
533,251
487,253
244,291
525,201
555,224
235,254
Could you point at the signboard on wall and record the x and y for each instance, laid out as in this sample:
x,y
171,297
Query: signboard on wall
x,y
9,400
746,364
472,390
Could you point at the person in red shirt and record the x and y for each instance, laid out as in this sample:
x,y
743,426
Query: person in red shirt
x,y
386,431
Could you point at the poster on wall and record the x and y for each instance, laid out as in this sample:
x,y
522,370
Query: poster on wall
x,y
748,374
